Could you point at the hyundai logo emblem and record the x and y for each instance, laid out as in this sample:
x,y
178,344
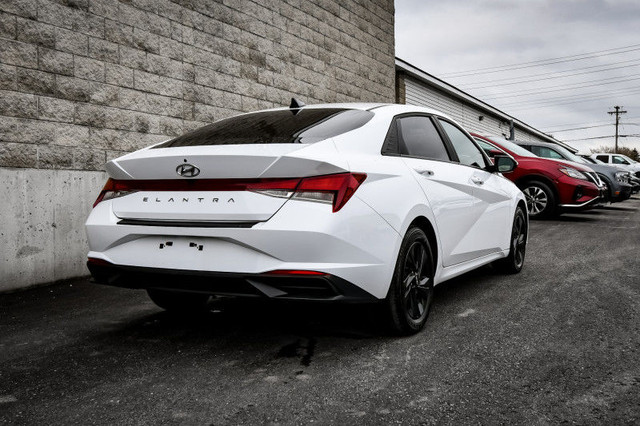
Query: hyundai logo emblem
x,y
187,170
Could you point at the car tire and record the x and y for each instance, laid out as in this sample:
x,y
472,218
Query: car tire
x,y
174,301
541,200
513,263
411,292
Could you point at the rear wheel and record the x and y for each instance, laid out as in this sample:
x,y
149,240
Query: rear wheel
x,y
411,290
174,301
513,263
541,201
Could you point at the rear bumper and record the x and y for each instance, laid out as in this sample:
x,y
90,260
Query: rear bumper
x,y
324,287
355,244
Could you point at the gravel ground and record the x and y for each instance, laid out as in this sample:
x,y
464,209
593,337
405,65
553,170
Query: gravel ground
x,y
558,343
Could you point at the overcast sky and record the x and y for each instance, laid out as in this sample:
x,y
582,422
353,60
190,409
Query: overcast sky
x,y
595,45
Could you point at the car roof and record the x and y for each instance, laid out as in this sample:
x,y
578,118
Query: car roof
x,y
368,106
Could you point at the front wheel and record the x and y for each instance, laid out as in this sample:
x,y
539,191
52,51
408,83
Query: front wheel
x,y
541,201
513,263
411,291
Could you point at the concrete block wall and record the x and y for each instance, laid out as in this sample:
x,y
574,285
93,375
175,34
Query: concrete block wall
x,y
84,81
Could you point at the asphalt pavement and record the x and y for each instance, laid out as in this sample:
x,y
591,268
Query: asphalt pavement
x,y
558,343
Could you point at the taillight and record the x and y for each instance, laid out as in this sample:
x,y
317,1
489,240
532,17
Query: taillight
x,y
330,189
114,189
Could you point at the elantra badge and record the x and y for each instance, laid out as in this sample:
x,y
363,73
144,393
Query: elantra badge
x,y
187,170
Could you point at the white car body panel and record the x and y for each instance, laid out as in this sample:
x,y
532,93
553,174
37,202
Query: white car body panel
x,y
470,210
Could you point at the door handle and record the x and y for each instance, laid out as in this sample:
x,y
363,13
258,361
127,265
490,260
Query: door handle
x,y
477,180
424,172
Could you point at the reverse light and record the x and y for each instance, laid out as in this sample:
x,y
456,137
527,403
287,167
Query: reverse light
x,y
573,173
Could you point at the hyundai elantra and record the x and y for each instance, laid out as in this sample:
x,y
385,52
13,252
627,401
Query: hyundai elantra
x,y
335,202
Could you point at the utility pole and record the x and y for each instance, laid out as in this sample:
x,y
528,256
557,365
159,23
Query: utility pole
x,y
617,112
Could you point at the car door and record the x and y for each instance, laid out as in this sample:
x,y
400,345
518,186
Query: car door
x,y
492,205
417,139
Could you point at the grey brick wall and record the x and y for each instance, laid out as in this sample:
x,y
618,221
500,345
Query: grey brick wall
x,y
83,81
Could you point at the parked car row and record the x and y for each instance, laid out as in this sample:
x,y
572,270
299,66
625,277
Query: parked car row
x,y
334,203
554,180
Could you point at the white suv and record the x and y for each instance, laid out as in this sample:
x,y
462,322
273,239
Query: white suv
x,y
618,160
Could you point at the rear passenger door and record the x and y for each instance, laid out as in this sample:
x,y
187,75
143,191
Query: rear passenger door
x,y
433,163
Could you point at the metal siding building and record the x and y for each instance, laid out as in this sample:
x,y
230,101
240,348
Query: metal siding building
x,y
416,87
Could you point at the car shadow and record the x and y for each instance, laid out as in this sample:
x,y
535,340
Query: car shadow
x,y
591,216
618,208
244,320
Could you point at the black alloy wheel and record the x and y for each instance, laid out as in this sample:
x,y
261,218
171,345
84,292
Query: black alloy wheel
x,y
411,291
541,201
513,263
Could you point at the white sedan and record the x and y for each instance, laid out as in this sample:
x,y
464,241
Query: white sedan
x,y
334,202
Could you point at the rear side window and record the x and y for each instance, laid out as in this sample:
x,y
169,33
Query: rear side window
x,y
307,126
603,158
416,136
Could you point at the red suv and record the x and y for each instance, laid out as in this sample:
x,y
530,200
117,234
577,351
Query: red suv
x,y
550,186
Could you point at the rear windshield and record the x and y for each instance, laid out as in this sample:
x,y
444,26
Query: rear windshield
x,y
283,126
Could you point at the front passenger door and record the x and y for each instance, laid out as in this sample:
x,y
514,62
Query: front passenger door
x,y
492,200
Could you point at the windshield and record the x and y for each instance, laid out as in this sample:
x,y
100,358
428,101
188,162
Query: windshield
x,y
516,149
303,126
569,155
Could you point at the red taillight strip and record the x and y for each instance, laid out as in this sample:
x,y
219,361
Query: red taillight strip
x,y
197,185
342,185
201,184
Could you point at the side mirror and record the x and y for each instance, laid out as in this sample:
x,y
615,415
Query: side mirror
x,y
504,164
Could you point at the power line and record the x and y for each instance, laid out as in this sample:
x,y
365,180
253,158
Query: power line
x,y
543,62
581,128
591,127
589,122
583,97
562,87
600,137
588,139
533,80
466,85
553,104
